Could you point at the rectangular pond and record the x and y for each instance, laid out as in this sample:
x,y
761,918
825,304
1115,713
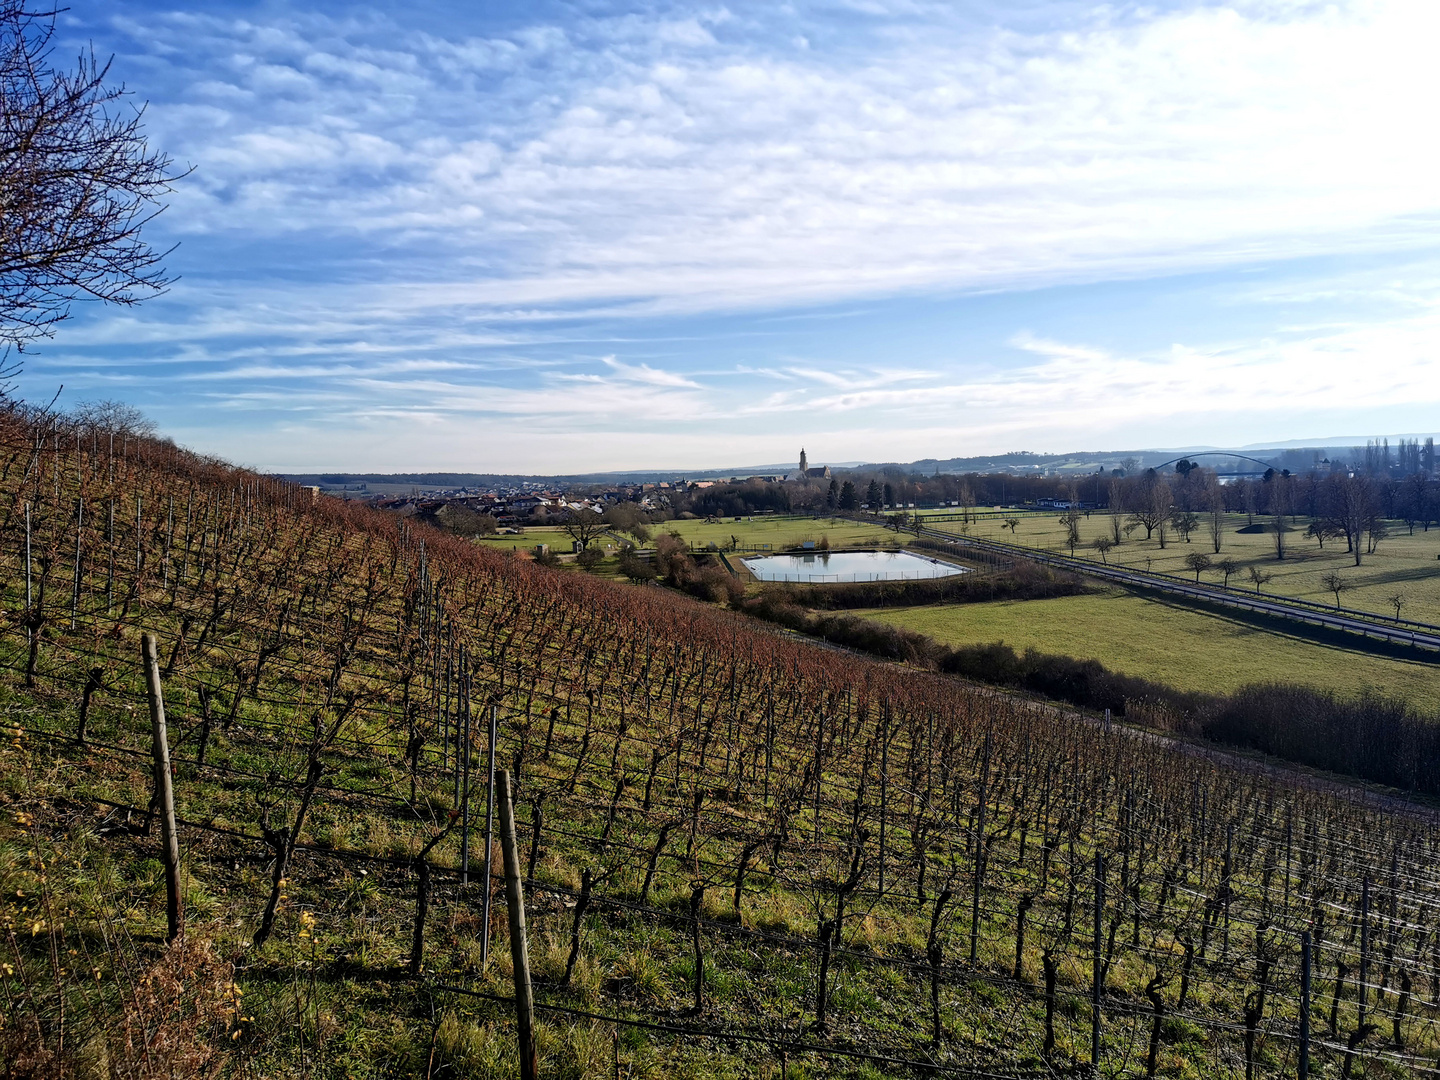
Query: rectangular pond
x,y
825,566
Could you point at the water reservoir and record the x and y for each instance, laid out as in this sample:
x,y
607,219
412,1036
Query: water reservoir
x,y
823,566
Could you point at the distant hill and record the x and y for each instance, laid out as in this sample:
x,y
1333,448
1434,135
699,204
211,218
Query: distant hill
x,y
1294,455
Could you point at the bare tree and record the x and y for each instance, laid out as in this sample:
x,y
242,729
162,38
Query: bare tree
x,y
1337,584
583,526
1259,577
1071,520
1229,567
1152,508
1356,497
1397,601
1197,561
1103,544
114,416
1280,508
1117,510
78,184
1185,523
1321,530
1217,514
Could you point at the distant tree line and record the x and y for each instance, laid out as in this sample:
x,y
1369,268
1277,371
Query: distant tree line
x,y
1171,503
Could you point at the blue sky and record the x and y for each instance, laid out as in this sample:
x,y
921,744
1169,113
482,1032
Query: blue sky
x,y
560,237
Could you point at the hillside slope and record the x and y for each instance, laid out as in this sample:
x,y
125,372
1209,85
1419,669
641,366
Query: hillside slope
x,y
744,853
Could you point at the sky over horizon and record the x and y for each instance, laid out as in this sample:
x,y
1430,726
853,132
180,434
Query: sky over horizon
x,y
542,237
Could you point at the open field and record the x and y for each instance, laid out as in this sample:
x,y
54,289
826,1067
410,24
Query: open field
x,y
1191,650
559,540
739,849
1403,564
782,532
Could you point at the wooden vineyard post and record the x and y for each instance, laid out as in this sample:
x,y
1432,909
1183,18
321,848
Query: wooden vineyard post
x,y
29,600
466,736
884,788
164,793
519,948
1302,1070
489,836
1097,969
110,574
1362,988
75,592
979,857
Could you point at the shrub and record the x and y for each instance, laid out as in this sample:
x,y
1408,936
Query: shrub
x,y
634,567
1373,736
1024,580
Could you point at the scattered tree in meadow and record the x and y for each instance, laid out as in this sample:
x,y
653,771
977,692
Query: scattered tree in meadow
x,y
1375,531
1397,601
1071,521
1185,523
1152,508
1322,530
1116,499
967,500
1279,484
590,558
1336,583
582,526
1229,567
1216,497
1259,577
1197,561
1356,496
1103,544
1012,523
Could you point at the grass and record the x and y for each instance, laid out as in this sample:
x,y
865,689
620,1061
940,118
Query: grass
x,y
781,532
656,681
559,540
1190,650
1404,564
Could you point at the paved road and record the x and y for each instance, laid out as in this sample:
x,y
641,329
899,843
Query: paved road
x,y
1397,632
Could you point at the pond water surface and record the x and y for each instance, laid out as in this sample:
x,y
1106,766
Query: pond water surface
x,y
823,566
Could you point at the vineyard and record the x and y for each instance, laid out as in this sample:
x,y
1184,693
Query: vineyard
x,y
745,855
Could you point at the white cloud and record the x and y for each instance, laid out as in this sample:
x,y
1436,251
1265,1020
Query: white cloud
x,y
637,159
416,220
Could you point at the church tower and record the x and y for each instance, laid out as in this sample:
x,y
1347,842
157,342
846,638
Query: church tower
x,y
803,463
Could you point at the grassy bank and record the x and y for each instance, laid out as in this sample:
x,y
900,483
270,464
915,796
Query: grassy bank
x,y
1193,651
782,532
